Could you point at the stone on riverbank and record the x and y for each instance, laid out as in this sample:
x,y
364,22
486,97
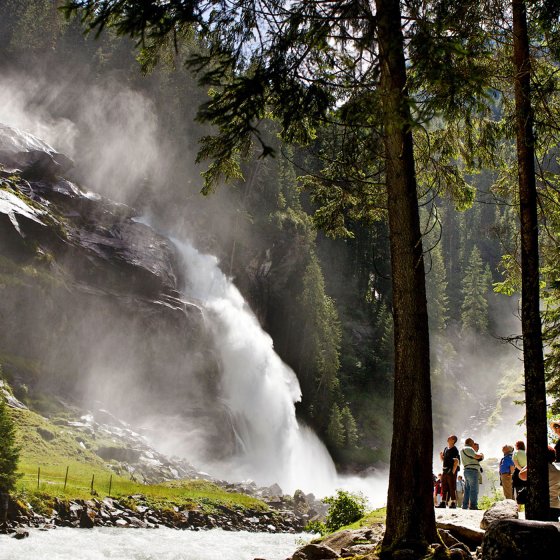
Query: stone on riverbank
x,y
518,539
505,509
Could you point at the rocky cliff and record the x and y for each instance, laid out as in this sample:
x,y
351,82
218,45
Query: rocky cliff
x,y
90,300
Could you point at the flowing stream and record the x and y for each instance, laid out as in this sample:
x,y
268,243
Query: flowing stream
x,y
258,390
149,544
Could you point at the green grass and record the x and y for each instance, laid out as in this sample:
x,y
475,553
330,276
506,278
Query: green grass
x,y
369,519
43,467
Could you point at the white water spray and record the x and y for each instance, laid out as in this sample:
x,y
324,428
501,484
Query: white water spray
x,y
258,389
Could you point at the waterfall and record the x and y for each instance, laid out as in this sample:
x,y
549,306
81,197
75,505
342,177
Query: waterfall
x,y
257,388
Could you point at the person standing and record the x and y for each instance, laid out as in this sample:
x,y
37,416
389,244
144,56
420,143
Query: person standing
x,y
555,426
553,484
450,458
520,461
437,490
460,489
471,468
476,447
507,467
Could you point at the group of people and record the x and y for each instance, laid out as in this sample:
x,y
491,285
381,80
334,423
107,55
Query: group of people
x,y
445,487
454,490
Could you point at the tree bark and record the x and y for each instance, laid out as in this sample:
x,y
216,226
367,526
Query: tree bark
x,y
410,508
535,389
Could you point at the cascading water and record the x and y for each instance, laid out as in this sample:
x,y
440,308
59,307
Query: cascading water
x,y
257,388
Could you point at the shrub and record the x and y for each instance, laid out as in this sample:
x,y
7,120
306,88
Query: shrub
x,y
9,451
344,508
316,527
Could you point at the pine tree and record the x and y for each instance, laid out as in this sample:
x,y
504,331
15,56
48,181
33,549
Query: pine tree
x,y
9,451
335,429
476,284
436,290
321,341
350,428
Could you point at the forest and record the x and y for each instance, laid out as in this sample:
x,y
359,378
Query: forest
x,y
376,175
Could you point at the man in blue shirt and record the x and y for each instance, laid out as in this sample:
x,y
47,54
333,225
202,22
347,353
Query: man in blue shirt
x,y
507,466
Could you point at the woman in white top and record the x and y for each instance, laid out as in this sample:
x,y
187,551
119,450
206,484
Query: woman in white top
x,y
520,461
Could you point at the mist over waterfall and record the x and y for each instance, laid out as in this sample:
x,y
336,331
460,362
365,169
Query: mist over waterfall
x,y
257,389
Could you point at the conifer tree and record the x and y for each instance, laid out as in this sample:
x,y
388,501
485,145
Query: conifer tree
x,y
291,58
321,341
9,450
476,284
350,428
335,429
436,290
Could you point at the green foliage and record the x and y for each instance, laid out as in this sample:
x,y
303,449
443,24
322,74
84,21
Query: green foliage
x,y
486,502
436,290
335,428
476,283
322,337
316,527
436,273
350,429
9,450
344,508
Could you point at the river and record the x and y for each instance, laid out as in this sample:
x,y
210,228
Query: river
x,y
146,544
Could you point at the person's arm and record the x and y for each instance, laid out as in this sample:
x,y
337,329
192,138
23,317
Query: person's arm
x,y
516,462
512,467
455,465
523,474
441,455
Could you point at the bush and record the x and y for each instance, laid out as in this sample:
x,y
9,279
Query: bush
x,y
316,527
9,451
344,508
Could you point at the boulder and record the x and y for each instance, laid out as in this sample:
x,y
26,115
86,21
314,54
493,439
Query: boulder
x,y
358,550
471,536
505,509
33,157
47,435
20,534
113,453
87,518
518,539
301,506
273,491
315,552
348,538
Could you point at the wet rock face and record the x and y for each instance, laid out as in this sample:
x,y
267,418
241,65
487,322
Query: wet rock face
x,y
92,294
35,158
97,233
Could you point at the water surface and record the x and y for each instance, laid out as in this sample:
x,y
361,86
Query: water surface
x,y
146,544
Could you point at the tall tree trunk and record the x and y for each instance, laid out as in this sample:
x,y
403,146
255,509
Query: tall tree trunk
x,y
535,389
410,508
